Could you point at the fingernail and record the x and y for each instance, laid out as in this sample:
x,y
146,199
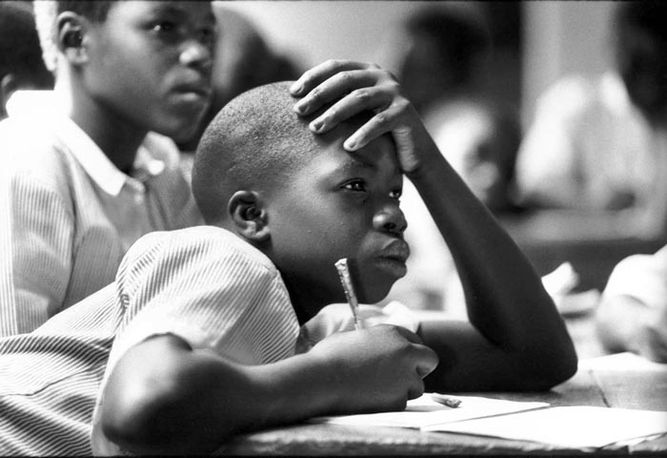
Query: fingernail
x,y
317,125
296,88
301,107
350,144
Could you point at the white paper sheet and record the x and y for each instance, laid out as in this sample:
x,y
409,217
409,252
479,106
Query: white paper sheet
x,y
578,427
423,412
623,362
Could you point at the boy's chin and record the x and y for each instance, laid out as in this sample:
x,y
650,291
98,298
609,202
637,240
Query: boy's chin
x,y
372,295
180,128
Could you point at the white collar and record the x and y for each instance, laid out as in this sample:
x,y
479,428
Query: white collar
x,y
93,160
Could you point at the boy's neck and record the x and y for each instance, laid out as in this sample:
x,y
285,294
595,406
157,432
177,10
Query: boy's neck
x,y
117,139
306,302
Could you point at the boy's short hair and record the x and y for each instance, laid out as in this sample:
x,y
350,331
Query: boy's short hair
x,y
46,12
20,53
254,140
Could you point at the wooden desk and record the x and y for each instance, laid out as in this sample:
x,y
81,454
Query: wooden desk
x,y
638,389
592,243
644,390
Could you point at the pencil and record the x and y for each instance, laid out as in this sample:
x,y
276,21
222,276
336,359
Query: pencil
x,y
346,281
446,400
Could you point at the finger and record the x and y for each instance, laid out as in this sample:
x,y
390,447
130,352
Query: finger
x,y
378,125
316,75
416,389
334,88
359,100
408,335
427,360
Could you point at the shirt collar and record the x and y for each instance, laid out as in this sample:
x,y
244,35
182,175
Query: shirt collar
x,y
93,160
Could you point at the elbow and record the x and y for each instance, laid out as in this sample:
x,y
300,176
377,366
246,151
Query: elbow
x,y
550,367
159,419
557,372
135,421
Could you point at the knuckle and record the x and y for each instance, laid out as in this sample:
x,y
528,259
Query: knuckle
x,y
394,86
362,95
381,118
333,63
346,76
315,93
402,103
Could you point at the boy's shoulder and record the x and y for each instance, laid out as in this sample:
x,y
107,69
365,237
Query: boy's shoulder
x,y
25,134
203,244
30,147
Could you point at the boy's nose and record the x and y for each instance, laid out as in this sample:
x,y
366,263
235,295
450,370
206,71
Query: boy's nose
x,y
390,219
197,54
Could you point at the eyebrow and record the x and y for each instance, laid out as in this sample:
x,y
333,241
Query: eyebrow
x,y
181,12
358,159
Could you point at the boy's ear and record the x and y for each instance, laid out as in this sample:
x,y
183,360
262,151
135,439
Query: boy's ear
x,y
72,37
248,215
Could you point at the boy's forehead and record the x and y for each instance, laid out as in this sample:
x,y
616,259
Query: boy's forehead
x,y
369,156
183,8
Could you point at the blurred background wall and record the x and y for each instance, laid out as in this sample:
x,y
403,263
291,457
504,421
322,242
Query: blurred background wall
x,y
534,42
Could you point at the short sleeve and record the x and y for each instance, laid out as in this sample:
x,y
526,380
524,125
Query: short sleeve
x,y
211,289
36,237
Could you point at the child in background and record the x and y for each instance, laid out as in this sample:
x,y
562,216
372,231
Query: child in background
x,y
87,170
203,324
632,315
21,64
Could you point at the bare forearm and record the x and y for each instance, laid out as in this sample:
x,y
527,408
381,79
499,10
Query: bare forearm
x,y
505,299
193,401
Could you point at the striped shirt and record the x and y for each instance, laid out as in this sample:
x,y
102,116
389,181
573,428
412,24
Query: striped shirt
x,y
69,215
202,284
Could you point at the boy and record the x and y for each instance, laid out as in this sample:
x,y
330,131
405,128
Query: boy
x,y
21,65
204,322
84,179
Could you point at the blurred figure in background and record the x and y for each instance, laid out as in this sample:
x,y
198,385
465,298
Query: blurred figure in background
x,y
632,315
442,68
243,60
21,64
481,143
600,145
443,53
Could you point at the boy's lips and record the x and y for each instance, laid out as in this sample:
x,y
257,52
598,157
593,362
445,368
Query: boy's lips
x,y
392,258
196,90
397,250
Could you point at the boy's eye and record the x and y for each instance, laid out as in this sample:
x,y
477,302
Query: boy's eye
x,y
207,35
164,26
357,186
